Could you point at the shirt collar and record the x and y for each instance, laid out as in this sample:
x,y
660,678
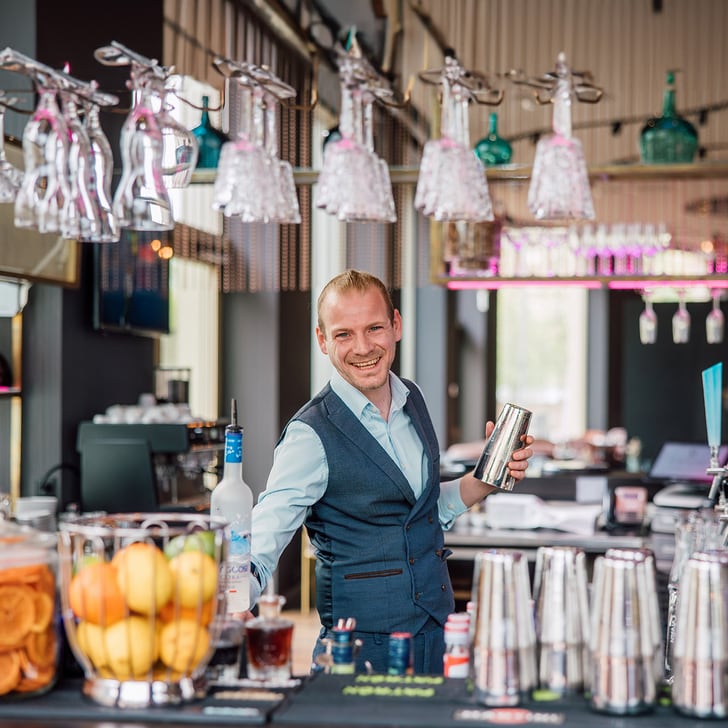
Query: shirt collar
x,y
358,403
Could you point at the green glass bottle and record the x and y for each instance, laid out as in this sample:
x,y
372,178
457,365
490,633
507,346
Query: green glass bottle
x,y
209,139
493,149
668,139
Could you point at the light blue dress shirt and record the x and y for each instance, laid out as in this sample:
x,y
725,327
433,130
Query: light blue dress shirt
x,y
300,473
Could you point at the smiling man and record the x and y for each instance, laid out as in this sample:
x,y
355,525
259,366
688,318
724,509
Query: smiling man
x,y
359,466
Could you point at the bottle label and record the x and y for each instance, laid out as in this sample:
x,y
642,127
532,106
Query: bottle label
x,y
456,665
239,542
237,583
234,447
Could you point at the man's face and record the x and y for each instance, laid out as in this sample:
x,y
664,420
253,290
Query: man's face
x,y
359,338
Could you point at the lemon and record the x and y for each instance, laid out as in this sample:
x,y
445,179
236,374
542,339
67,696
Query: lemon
x,y
182,645
144,577
195,578
132,647
91,641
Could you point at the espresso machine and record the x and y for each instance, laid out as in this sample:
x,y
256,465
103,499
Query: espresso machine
x,y
148,467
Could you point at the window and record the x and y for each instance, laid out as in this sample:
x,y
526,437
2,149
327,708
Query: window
x,y
541,357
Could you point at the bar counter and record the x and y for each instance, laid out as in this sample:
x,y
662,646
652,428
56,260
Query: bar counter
x,y
374,701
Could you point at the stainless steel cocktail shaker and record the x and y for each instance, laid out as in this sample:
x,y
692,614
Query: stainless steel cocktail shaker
x,y
492,467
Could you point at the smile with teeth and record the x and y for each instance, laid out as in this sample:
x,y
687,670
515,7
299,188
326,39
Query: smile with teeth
x,y
366,364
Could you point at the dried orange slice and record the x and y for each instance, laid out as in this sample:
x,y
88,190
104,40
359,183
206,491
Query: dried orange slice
x,y
46,582
36,680
10,674
41,648
44,606
17,613
22,574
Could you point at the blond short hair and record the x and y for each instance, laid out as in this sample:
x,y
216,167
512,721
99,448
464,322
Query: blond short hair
x,y
354,280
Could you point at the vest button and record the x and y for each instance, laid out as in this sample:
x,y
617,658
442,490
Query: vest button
x,y
438,552
412,561
430,519
417,595
407,527
443,587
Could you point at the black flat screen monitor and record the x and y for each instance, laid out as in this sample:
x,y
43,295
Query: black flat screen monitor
x,y
685,462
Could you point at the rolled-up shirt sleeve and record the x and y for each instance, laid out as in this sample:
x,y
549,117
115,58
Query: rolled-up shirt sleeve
x,y
450,505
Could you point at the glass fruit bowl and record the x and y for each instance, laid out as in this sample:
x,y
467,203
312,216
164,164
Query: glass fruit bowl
x,y
141,600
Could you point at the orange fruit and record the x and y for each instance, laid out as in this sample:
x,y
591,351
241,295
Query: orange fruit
x,y
94,594
171,611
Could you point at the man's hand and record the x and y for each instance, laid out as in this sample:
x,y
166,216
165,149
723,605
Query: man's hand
x,y
519,460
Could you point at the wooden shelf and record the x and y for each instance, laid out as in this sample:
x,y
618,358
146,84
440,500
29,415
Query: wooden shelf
x,y
516,172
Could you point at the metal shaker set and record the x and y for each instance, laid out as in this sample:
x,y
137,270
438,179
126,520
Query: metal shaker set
x,y
604,641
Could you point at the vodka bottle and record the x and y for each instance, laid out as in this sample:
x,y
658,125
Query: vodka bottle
x,y
233,500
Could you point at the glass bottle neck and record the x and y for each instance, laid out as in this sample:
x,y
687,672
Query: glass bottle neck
x,y
668,102
493,125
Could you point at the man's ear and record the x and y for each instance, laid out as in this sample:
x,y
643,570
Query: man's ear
x,y
321,338
397,325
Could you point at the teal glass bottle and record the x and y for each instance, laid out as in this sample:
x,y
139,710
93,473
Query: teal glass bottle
x,y
209,139
493,149
668,139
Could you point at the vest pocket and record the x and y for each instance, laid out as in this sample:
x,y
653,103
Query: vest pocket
x,y
373,574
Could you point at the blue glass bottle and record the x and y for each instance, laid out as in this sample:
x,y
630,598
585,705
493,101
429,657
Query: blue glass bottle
x,y
668,139
493,149
209,139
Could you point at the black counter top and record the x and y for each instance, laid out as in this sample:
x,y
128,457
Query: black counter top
x,y
335,701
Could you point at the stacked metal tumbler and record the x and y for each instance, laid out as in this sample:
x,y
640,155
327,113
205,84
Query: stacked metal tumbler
x,y
625,642
504,639
700,684
561,610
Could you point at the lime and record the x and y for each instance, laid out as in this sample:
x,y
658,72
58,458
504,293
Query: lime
x,y
198,541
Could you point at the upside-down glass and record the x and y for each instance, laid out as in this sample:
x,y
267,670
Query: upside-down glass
x,y
141,201
44,190
180,148
10,176
81,215
452,184
648,323
715,322
102,167
681,321
560,182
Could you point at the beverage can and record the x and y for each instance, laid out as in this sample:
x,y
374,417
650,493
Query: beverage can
x,y
401,654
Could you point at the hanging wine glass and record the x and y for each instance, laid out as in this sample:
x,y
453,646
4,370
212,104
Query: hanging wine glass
x,y
81,216
681,321
180,148
10,176
102,166
648,322
141,201
714,322
44,190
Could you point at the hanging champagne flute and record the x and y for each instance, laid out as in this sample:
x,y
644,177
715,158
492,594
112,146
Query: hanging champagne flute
x,y
714,322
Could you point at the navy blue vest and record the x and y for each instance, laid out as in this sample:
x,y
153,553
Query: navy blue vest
x,y
380,553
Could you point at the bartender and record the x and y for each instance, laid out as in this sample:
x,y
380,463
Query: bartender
x,y
358,465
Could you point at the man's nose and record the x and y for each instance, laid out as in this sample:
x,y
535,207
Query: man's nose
x,y
361,342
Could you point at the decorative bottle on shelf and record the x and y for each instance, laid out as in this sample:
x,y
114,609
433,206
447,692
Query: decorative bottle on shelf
x,y
493,149
209,139
668,139
233,500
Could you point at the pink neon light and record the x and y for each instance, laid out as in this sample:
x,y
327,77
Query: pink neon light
x,y
492,285
667,283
